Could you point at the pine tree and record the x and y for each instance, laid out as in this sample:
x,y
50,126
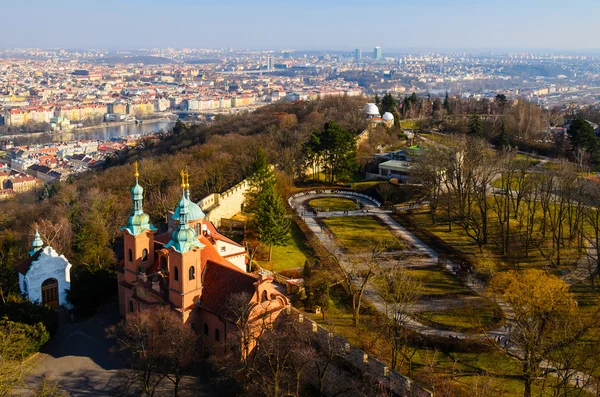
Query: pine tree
x,y
179,127
272,225
447,103
475,126
503,141
260,178
388,104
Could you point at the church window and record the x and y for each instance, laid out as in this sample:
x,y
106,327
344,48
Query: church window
x,y
176,274
130,255
131,306
264,296
217,334
144,255
192,273
206,329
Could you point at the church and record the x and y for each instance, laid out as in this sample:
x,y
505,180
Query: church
x,y
45,276
192,268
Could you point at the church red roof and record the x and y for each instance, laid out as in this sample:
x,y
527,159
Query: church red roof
x,y
23,267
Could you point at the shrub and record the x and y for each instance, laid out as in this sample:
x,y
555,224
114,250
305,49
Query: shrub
x,y
90,289
19,340
19,310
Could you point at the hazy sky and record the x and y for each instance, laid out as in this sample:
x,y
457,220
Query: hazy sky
x,y
301,24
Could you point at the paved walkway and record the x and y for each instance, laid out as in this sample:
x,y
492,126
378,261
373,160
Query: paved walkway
x,y
371,208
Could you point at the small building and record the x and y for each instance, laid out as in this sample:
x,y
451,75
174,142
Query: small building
x,y
388,119
395,169
45,276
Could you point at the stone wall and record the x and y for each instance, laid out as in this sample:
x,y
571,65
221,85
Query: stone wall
x,y
225,205
351,363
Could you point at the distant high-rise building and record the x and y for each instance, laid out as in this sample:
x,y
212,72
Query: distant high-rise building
x,y
270,63
357,54
377,54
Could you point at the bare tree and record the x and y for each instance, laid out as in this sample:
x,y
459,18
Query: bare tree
x,y
400,292
157,344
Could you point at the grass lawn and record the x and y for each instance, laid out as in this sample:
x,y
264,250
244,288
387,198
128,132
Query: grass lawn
x,y
437,282
332,204
458,239
408,124
289,256
476,314
353,232
366,184
491,369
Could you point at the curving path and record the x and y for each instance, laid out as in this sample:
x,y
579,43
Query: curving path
x,y
299,202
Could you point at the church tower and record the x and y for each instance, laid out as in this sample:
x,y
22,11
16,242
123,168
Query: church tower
x,y
185,283
37,243
138,238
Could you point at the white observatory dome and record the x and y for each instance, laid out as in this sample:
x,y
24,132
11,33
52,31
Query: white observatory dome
x,y
371,109
387,116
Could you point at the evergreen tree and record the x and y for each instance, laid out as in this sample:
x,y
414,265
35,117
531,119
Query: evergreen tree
x,y
502,101
581,135
261,177
272,226
377,100
260,170
447,103
475,126
338,149
388,104
503,141
179,127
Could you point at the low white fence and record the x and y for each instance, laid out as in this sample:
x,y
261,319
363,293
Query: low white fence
x,y
333,191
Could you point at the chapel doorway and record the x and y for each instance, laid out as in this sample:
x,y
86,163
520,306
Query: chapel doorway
x,y
50,292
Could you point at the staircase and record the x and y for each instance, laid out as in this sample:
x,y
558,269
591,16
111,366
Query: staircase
x,y
63,315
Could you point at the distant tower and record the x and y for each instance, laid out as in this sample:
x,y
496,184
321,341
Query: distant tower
x,y
357,54
377,54
270,64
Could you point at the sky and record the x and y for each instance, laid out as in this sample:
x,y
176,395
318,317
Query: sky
x,y
302,25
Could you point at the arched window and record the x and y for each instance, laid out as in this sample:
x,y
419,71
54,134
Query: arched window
x,y
130,255
49,292
265,297
217,334
192,273
144,255
176,273
131,306
163,264
206,329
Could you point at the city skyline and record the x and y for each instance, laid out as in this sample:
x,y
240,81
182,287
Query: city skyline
x,y
332,25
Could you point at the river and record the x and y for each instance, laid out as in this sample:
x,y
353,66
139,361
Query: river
x,y
104,133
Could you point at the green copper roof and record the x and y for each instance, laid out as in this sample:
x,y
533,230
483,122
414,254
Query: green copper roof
x,y
139,221
184,237
194,211
37,243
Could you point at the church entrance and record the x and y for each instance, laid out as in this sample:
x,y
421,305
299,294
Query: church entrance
x,y
50,292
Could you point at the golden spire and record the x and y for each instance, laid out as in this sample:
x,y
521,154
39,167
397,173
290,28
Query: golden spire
x,y
182,179
136,165
187,180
